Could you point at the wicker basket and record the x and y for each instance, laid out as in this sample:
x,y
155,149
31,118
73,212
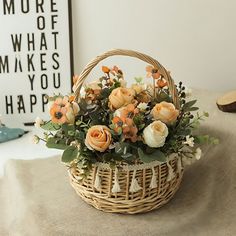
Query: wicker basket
x,y
129,189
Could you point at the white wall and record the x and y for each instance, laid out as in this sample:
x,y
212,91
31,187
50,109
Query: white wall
x,y
195,39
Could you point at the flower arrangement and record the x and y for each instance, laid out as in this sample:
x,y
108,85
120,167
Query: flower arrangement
x,y
116,124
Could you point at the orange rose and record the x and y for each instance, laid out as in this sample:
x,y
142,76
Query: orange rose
x,y
165,112
120,97
98,138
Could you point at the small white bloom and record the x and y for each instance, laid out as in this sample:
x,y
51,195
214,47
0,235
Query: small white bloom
x,y
74,143
118,112
155,134
38,122
188,92
142,106
198,153
35,139
189,141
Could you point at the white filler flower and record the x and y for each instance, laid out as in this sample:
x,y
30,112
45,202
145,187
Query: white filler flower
x,y
38,122
198,153
142,106
189,141
35,139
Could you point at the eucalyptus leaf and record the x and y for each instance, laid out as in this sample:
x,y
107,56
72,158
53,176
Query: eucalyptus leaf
x,y
155,156
50,126
69,154
111,156
68,128
188,105
193,109
57,144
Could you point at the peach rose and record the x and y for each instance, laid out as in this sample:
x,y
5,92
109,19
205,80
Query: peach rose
x,y
120,97
98,138
165,112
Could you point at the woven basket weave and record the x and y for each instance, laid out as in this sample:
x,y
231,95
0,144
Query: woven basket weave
x,y
129,189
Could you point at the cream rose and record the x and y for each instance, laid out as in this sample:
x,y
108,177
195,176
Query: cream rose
x,y
120,97
165,112
155,134
98,138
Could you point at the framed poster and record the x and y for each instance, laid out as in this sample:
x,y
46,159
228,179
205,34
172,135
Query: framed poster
x,y
36,56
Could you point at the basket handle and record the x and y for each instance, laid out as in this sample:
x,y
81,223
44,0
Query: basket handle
x,y
124,52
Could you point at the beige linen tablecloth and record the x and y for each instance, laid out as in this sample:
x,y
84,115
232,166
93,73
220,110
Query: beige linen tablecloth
x,y
36,198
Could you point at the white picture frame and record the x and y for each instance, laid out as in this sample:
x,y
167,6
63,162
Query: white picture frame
x,y
36,57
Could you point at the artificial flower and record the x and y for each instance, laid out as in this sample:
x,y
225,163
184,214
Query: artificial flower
x,y
129,111
98,138
130,132
35,139
92,91
138,88
152,72
38,122
198,153
189,141
123,122
142,106
105,69
115,70
94,86
165,112
161,83
62,111
155,134
118,123
120,97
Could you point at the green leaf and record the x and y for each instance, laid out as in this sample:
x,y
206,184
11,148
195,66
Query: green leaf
x,y
188,105
193,109
201,139
50,126
69,154
68,128
55,143
138,80
162,96
111,156
155,156
206,139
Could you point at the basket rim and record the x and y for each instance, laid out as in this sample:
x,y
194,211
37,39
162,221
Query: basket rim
x,y
129,167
